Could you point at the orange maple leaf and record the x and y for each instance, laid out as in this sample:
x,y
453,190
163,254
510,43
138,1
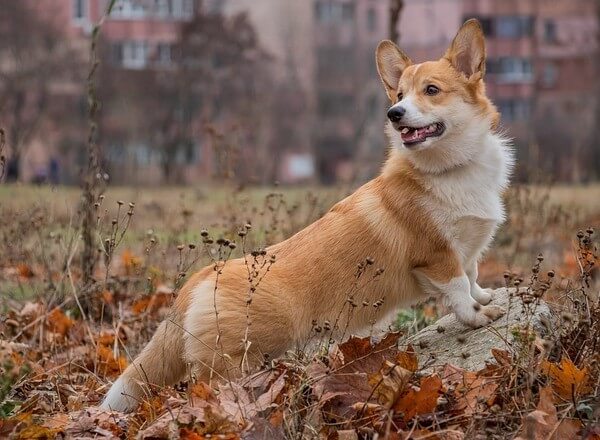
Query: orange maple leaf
x,y
423,401
109,364
58,322
408,359
151,303
24,270
130,261
567,379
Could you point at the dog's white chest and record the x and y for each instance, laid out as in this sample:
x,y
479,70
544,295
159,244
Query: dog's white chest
x,y
468,208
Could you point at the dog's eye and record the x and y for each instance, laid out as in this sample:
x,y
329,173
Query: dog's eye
x,y
431,90
400,96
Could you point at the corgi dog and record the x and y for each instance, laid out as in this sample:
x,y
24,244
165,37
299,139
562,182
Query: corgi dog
x,y
426,219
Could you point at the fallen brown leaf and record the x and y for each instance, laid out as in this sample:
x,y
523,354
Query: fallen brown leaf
x,y
567,378
421,401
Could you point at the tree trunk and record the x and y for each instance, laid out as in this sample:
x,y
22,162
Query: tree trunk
x,y
396,7
13,167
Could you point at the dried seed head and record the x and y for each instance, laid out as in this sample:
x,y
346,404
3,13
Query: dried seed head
x,y
590,231
204,233
465,355
579,234
568,317
540,257
120,202
440,329
248,226
370,260
241,233
180,247
192,246
232,246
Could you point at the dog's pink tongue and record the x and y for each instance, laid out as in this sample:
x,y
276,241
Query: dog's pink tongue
x,y
414,135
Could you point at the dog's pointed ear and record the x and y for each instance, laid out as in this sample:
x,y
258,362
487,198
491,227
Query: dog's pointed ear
x,y
467,51
391,62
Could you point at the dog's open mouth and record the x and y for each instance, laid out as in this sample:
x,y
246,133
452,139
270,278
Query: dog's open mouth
x,y
415,135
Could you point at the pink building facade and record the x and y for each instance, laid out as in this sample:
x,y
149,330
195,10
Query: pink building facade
x,y
542,58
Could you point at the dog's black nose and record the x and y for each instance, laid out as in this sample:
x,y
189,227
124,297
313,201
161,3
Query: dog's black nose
x,y
395,113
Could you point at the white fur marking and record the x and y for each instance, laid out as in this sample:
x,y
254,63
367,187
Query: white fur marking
x,y
121,396
457,297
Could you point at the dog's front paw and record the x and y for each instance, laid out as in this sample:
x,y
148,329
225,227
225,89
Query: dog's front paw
x,y
493,312
482,296
481,316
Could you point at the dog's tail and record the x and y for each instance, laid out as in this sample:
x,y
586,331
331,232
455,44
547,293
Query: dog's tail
x,y
160,363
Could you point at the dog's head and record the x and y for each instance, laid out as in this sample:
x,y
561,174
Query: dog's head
x,y
439,108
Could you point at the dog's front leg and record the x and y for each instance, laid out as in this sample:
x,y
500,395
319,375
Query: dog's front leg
x,y
449,278
483,297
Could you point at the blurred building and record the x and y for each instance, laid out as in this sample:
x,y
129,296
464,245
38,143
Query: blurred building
x,y
139,35
325,50
541,62
541,70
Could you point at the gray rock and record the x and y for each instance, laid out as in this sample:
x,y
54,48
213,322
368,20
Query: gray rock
x,y
449,341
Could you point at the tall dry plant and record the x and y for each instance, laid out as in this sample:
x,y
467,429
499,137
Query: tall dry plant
x,y
2,157
93,178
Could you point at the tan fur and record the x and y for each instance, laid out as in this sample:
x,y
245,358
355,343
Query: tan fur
x,y
386,219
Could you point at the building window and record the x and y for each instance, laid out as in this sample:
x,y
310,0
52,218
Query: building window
x,y
348,12
175,9
328,11
80,8
129,9
163,54
550,31
371,20
162,8
513,110
513,27
130,54
549,75
510,69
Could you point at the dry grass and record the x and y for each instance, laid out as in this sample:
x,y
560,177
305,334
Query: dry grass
x,y
56,332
